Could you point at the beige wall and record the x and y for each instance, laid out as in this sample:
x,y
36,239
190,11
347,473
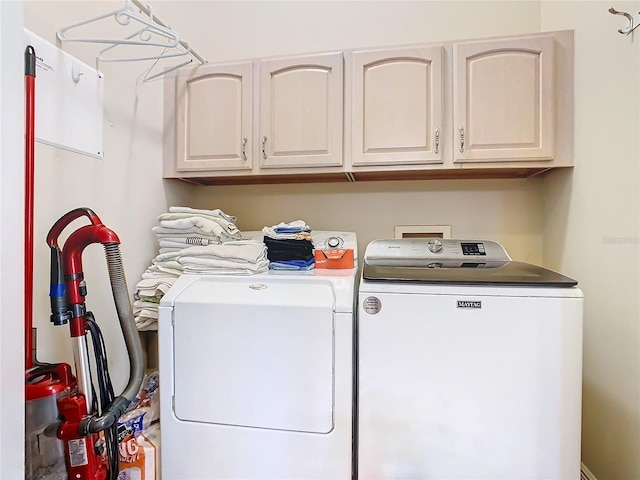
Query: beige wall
x,y
507,211
560,220
11,242
591,228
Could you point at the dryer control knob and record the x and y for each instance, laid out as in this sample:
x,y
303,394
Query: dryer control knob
x,y
334,242
434,245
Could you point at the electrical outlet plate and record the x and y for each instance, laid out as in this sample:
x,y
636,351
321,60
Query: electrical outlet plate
x,y
422,231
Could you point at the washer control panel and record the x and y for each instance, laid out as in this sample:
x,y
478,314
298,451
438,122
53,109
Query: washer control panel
x,y
435,248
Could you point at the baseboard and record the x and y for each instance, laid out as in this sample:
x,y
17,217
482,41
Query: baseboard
x,y
585,473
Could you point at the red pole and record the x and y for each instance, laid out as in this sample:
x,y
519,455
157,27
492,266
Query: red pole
x,y
30,81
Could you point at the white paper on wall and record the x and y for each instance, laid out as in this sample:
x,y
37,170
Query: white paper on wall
x,y
68,100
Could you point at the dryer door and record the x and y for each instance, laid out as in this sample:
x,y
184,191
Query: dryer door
x,y
255,354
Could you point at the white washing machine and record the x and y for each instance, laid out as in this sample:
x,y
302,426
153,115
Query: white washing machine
x,y
256,374
469,364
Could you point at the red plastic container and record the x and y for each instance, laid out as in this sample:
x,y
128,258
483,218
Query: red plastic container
x,y
44,452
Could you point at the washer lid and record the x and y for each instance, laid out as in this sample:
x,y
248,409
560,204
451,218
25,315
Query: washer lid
x,y
460,262
469,273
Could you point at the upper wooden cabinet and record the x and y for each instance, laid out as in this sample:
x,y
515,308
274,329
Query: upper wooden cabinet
x,y
397,106
492,108
213,106
301,111
503,99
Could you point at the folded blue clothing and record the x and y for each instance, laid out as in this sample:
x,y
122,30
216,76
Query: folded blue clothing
x,y
291,229
277,266
298,262
292,264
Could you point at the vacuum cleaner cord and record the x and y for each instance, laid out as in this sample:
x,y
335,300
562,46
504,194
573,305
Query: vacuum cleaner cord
x,y
106,396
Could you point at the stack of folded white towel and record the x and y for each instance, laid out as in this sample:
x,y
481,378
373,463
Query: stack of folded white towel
x,y
182,227
240,257
196,242
149,291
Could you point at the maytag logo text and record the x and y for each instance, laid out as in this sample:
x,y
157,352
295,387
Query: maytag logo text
x,y
469,304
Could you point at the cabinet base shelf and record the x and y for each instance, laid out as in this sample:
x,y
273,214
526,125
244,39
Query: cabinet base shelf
x,y
449,174
268,179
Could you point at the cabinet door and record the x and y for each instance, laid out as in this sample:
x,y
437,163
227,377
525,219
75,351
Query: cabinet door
x,y
397,106
503,99
213,118
301,111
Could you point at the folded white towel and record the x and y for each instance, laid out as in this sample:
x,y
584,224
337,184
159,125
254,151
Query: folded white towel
x,y
169,249
178,232
150,288
172,233
165,257
157,282
161,270
168,264
296,230
298,224
148,312
206,225
193,270
181,245
201,263
146,323
140,305
188,240
150,274
213,213
178,216
244,250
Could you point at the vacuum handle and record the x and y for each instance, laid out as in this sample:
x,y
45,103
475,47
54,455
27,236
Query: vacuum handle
x,y
60,312
66,219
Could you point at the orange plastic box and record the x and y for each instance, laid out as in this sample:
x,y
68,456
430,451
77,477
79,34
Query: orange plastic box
x,y
334,258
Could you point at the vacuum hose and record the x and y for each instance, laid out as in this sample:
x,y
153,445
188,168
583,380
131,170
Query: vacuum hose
x,y
119,405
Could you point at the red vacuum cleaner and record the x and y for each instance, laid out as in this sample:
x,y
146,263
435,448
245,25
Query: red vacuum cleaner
x,y
69,424
84,413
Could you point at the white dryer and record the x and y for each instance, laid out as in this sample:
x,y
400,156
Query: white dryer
x,y
469,364
256,375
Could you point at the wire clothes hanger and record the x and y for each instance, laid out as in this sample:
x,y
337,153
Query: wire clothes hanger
x,y
124,16
146,76
153,33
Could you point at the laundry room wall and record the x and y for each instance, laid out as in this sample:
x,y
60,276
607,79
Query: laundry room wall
x,y
584,222
125,188
11,243
506,211
591,227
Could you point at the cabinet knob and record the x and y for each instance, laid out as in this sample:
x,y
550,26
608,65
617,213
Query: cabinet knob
x,y
244,149
264,148
461,139
437,135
